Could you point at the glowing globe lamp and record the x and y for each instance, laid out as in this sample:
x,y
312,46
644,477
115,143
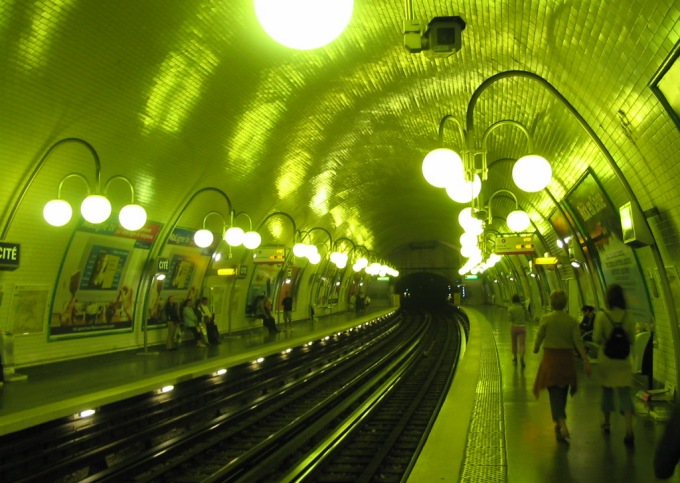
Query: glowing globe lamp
x,y
470,251
462,191
531,173
252,240
304,24
518,221
300,249
57,212
132,217
234,236
468,239
465,217
314,258
203,238
442,167
475,227
95,209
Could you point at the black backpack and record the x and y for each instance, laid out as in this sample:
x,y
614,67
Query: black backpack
x,y
617,345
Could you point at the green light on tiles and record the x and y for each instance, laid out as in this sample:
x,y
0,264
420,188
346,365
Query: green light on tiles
x,y
471,277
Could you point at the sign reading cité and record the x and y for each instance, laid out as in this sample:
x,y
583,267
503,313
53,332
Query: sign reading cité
x,y
10,256
514,245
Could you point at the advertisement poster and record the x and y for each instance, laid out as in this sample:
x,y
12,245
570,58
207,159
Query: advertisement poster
x,y
262,283
27,310
96,290
188,264
600,221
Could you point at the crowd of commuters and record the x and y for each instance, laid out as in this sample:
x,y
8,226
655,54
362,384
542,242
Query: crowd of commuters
x,y
197,319
612,331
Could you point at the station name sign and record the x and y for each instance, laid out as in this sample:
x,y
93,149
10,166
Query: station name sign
x,y
10,256
514,245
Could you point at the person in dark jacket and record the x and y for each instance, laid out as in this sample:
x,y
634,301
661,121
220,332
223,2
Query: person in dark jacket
x,y
667,452
172,317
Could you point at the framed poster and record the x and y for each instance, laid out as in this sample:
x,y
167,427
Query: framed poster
x,y
600,223
187,265
96,291
666,85
27,310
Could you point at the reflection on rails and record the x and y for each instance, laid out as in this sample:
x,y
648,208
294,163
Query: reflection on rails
x,y
263,419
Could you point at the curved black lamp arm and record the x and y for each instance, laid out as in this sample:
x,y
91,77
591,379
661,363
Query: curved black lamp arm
x,y
279,213
330,238
172,227
24,189
337,242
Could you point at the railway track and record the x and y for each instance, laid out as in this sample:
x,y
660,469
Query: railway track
x,y
297,417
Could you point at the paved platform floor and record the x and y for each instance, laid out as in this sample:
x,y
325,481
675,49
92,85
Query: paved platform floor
x,y
491,427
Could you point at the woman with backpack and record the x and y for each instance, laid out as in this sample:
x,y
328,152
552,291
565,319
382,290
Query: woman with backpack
x,y
614,332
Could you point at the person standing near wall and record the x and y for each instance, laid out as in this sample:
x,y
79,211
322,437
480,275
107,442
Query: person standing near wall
x,y
667,452
559,334
616,370
287,305
518,331
190,320
171,315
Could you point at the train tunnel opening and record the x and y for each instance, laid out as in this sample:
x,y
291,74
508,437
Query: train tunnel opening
x,y
424,290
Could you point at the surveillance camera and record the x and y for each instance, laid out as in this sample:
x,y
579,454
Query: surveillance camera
x,y
443,36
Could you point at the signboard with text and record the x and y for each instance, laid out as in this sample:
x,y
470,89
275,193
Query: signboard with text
x,y
514,245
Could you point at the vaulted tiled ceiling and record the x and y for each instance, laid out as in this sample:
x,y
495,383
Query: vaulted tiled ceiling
x,y
181,95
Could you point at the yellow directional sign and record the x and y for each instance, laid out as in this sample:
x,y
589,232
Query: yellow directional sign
x,y
545,261
514,245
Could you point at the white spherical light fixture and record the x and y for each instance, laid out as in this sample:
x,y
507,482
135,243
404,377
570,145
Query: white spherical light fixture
x,y
518,221
252,240
132,217
314,258
57,212
95,209
475,227
304,24
300,249
203,238
465,217
442,167
470,251
462,191
234,236
531,173
468,239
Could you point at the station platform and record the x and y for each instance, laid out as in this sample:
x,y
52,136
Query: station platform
x,y
60,389
491,428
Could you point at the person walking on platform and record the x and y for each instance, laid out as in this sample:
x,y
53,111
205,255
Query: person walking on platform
x,y
171,312
559,334
518,331
614,332
287,304
190,320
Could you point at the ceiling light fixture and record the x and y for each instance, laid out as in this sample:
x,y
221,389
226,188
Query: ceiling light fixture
x,y
304,24
95,208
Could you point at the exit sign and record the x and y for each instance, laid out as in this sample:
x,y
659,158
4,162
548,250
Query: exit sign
x,y
471,277
514,245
